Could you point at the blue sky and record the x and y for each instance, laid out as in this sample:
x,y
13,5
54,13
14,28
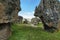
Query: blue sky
x,y
28,7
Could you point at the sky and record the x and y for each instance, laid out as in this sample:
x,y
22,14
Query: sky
x,y
28,7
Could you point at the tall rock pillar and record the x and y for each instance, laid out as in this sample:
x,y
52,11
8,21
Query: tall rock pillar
x,y
8,13
49,12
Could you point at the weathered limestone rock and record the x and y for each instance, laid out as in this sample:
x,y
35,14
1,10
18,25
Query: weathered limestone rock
x,y
49,12
9,10
5,31
20,19
35,20
8,13
25,21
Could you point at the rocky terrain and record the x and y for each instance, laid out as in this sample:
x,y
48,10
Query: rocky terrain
x,y
48,11
8,13
9,10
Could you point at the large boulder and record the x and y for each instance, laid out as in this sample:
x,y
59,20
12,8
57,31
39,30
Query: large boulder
x,y
25,21
35,20
20,20
49,13
8,13
9,10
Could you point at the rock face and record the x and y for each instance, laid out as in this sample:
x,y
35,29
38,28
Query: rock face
x,y
49,12
20,19
9,10
35,20
8,13
5,31
25,21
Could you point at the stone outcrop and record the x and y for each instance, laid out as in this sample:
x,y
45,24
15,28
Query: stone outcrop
x,y
49,12
8,13
20,20
5,31
35,20
25,21
9,10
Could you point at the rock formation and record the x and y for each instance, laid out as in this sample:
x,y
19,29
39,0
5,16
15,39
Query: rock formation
x,y
25,21
8,13
49,13
9,10
20,20
35,20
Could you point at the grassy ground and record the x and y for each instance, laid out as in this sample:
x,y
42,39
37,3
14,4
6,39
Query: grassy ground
x,y
40,24
26,32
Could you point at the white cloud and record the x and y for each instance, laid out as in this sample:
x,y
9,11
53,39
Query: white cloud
x,y
59,0
27,15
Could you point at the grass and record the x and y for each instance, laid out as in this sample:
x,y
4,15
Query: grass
x,y
40,24
25,32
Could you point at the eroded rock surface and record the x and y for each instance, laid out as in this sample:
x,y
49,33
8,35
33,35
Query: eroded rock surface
x,y
20,20
8,13
35,20
5,31
49,12
9,10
